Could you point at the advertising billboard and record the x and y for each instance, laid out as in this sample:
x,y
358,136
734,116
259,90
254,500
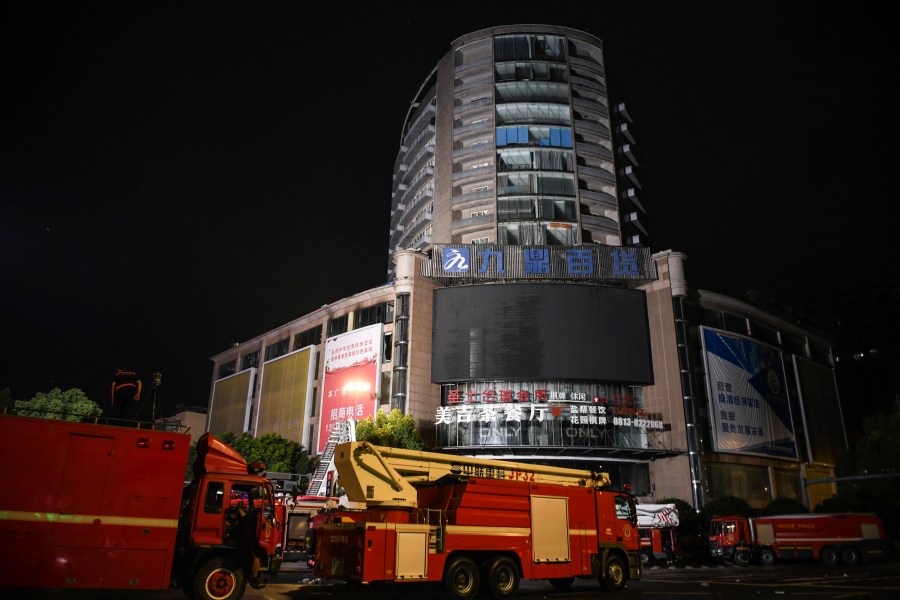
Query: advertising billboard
x,y
821,410
749,408
350,385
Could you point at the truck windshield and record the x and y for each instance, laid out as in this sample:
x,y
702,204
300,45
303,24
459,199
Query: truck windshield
x,y
720,527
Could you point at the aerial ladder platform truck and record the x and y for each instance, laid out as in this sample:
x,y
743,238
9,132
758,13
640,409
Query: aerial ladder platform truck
x,y
473,525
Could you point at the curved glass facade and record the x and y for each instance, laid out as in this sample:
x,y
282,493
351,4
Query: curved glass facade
x,y
510,141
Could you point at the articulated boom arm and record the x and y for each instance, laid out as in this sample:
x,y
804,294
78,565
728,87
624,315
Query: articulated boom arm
x,y
378,475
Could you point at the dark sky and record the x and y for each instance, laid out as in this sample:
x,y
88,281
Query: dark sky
x,y
176,177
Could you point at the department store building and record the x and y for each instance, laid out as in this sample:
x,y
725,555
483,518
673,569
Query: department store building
x,y
525,316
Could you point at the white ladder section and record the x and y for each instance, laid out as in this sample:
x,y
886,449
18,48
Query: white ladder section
x,y
341,431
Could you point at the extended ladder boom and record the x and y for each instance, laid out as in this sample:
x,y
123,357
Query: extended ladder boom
x,y
378,475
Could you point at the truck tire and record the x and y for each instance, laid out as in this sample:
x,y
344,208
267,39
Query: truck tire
x,y
219,578
613,576
767,557
850,556
742,557
830,556
646,558
461,578
501,576
562,583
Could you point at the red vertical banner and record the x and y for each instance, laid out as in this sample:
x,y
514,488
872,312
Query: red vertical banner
x,y
352,377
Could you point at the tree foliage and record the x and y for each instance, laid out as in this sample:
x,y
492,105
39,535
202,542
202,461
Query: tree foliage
x,y
394,430
280,455
192,458
785,506
69,405
725,505
873,463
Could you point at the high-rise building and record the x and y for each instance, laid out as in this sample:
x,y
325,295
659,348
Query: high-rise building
x,y
512,140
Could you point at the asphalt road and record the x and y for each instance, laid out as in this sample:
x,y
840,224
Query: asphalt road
x,y
876,580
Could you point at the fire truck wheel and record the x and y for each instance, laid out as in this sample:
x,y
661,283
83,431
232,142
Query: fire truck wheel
x,y
219,578
830,556
613,576
767,557
461,578
742,557
501,575
851,556
646,558
562,583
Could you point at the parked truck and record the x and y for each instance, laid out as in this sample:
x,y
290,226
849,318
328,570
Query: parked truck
x,y
473,525
98,506
658,530
832,538
299,517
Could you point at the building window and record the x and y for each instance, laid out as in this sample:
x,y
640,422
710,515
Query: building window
x,y
387,347
250,360
379,313
401,341
310,337
279,348
337,326
225,370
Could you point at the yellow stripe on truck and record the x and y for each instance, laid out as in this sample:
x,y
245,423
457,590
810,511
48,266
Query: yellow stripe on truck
x,y
37,517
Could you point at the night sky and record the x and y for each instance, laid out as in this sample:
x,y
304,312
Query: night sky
x,y
175,178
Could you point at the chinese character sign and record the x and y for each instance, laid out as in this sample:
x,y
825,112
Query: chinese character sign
x,y
592,262
350,385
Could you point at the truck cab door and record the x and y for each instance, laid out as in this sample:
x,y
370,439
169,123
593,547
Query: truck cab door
x,y
626,522
269,529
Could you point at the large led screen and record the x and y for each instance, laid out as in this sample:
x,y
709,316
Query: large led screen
x,y
286,390
540,331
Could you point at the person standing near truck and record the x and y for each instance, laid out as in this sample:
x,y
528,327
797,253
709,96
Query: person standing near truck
x,y
243,521
126,392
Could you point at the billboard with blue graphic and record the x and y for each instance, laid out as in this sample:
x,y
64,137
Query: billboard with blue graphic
x,y
749,407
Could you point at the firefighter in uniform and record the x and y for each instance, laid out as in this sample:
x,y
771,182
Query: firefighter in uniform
x,y
126,391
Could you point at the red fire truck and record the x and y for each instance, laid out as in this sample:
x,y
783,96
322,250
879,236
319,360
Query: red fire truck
x,y
107,508
832,538
473,524
658,529
299,518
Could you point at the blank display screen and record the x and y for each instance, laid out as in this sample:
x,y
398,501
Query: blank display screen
x,y
541,331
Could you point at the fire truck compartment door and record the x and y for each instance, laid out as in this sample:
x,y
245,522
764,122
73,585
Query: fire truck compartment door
x,y
870,531
550,529
412,553
765,533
